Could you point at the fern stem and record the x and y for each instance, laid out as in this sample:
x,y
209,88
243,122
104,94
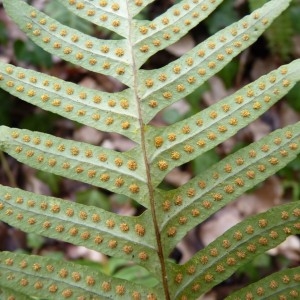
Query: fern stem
x,y
154,217
160,252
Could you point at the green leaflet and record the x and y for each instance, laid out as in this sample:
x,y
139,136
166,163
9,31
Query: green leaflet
x,y
113,16
115,112
79,224
225,181
6,293
280,34
151,36
119,172
108,57
45,277
134,7
235,247
282,284
185,140
178,79
147,37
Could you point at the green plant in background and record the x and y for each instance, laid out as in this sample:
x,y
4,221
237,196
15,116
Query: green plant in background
x,y
280,34
147,239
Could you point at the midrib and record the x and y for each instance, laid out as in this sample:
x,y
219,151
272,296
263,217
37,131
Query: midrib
x,y
164,278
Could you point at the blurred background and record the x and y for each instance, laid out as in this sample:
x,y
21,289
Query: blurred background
x,y
279,45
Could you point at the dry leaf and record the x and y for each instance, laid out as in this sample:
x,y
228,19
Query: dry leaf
x,y
182,46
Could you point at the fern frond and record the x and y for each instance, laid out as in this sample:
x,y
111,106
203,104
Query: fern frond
x,y
280,34
108,57
282,284
109,169
49,278
6,293
79,224
101,110
212,126
167,215
234,248
151,36
225,181
112,16
181,77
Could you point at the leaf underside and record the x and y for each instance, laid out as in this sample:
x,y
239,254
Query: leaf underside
x,y
147,239
281,284
50,279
